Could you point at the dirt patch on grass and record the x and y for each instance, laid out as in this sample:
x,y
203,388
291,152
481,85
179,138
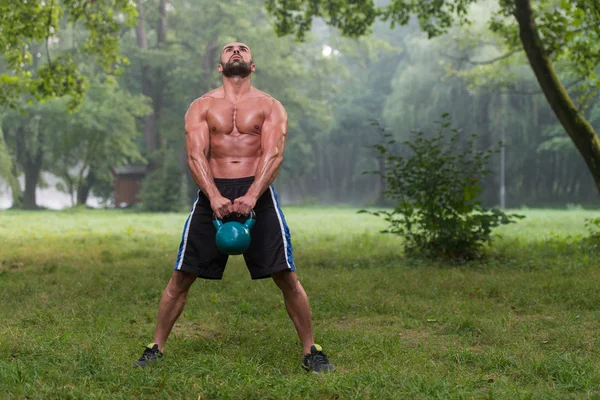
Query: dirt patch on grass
x,y
195,330
380,321
414,334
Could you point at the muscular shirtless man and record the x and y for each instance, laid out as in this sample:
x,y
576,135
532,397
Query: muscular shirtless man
x,y
235,136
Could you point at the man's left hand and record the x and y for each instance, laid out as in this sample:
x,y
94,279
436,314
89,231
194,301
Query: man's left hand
x,y
243,205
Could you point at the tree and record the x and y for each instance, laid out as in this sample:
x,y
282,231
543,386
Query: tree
x,y
25,135
552,31
100,135
28,26
7,172
152,77
542,167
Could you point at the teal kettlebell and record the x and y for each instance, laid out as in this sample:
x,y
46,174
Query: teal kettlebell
x,y
233,237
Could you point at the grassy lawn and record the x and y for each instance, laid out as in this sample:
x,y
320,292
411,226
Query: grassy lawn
x,y
79,292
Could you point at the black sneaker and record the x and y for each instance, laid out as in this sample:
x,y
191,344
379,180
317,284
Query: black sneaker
x,y
150,355
316,361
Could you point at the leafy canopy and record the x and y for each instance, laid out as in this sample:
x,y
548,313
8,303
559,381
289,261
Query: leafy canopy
x,y
30,31
569,29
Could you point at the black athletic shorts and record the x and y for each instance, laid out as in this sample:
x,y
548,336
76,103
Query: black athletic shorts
x,y
270,248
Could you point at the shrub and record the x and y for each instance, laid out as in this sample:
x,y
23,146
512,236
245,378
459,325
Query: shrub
x,y
435,187
593,227
161,190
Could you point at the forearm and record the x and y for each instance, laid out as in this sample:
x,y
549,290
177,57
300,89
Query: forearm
x,y
266,172
203,176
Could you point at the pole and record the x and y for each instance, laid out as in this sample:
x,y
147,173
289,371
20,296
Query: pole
x,y
502,167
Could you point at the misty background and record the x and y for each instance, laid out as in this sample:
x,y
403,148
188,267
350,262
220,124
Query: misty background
x,y
333,89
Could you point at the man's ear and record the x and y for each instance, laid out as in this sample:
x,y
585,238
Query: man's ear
x,y
220,67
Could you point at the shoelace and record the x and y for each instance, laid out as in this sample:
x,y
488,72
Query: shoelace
x,y
147,353
320,358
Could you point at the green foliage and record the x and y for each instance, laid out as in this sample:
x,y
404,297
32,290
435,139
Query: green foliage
x,y
436,187
100,135
162,188
355,18
31,27
26,135
542,165
568,34
593,227
569,31
7,169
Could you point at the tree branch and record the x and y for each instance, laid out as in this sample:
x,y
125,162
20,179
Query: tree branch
x,y
466,58
47,36
539,91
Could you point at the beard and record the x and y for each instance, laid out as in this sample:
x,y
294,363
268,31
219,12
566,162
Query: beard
x,y
236,68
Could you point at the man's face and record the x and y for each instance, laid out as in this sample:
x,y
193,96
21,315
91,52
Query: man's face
x,y
236,60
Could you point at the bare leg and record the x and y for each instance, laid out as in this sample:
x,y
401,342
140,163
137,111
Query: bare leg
x,y
171,305
298,308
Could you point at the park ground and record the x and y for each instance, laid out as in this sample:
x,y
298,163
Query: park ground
x,y
79,291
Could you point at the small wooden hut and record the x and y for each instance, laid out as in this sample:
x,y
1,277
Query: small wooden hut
x,y
127,184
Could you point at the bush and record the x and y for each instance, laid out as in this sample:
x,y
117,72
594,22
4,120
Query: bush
x,y
161,190
593,227
435,187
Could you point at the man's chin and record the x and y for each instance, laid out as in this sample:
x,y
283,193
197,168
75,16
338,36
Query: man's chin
x,y
237,73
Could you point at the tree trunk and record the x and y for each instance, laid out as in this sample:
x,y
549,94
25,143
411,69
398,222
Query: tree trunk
x,y
162,22
482,119
160,75
579,129
17,193
380,186
33,170
150,128
209,61
31,163
83,192
9,173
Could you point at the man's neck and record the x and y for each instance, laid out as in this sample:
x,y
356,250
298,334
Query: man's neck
x,y
235,87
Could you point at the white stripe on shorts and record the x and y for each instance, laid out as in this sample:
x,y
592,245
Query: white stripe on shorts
x,y
285,242
185,235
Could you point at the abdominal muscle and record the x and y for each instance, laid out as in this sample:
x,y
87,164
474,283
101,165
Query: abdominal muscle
x,y
234,156
233,167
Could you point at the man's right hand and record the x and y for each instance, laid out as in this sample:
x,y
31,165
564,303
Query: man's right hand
x,y
221,206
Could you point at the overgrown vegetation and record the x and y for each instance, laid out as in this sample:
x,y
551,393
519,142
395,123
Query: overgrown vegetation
x,y
435,183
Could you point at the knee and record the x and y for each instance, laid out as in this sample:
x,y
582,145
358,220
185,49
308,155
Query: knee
x,y
287,282
179,284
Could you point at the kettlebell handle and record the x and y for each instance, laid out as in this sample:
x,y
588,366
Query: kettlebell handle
x,y
251,216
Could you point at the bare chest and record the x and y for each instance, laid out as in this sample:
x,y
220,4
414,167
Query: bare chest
x,y
231,119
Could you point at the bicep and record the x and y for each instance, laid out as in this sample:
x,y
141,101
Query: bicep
x,y
196,131
275,128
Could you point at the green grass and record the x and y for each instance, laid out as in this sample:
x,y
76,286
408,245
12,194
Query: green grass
x,y
79,293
